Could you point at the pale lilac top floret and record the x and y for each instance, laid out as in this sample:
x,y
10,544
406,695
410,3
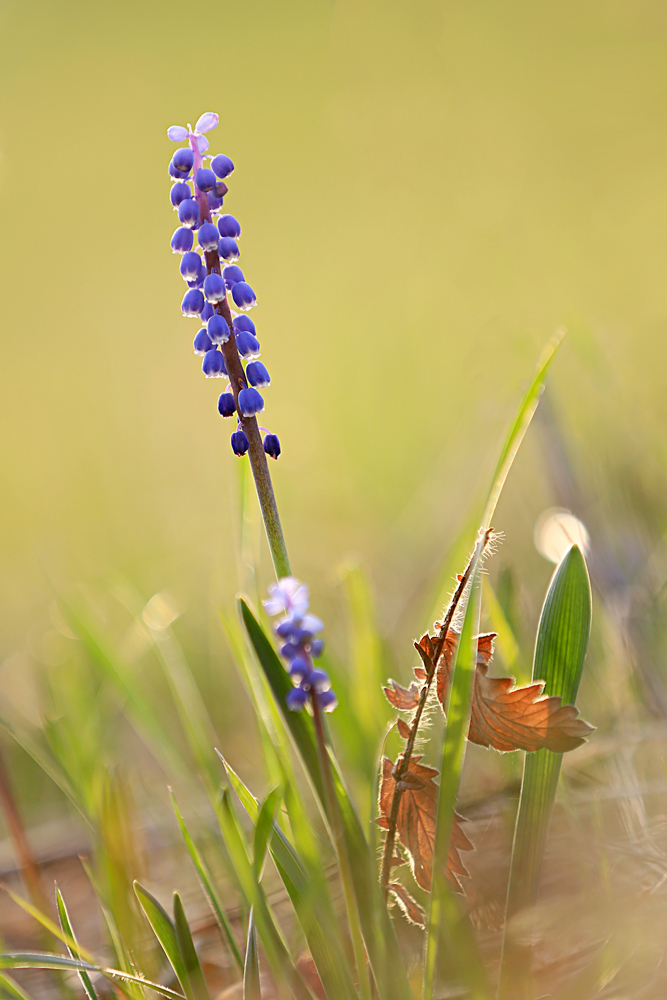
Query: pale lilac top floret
x,y
207,122
287,595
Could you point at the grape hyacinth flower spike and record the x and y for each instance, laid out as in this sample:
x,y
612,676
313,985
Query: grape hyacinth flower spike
x,y
298,631
226,339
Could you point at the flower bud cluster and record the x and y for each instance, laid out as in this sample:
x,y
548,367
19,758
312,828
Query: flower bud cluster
x,y
212,274
298,631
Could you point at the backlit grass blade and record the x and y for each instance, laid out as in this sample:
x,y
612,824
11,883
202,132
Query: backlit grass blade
x,y
519,427
165,932
443,918
560,650
197,988
45,960
73,948
208,886
251,985
264,829
9,987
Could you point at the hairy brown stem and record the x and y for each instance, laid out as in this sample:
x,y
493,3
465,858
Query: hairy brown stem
x,y
403,764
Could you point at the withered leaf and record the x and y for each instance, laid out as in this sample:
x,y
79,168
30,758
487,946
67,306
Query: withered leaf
x,y
404,699
409,907
506,717
420,673
403,728
415,825
425,649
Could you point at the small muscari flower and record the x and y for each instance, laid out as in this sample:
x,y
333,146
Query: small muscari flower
x,y
213,365
198,282
257,374
228,249
214,203
222,166
178,175
193,303
182,240
190,266
220,189
288,595
218,329
327,701
240,443
243,295
299,670
316,648
296,699
272,445
207,234
202,342
206,312
244,323
232,273
247,344
179,192
319,681
205,179
250,402
214,288
183,159
226,405
229,226
188,213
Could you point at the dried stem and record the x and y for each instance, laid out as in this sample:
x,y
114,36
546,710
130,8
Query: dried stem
x,y
256,453
403,764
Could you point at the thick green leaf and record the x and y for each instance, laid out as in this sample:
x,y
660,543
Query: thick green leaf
x,y
251,985
165,932
73,948
560,651
44,960
197,988
208,886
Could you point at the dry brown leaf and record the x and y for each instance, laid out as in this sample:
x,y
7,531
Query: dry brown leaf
x,y
506,717
403,728
409,907
404,699
415,825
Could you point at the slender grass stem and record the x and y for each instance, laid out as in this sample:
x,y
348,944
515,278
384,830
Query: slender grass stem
x,y
27,864
336,822
402,767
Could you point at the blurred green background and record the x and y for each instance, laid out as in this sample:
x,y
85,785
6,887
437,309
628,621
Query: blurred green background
x,y
427,190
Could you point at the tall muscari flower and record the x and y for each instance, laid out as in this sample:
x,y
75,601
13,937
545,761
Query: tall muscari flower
x,y
298,631
227,339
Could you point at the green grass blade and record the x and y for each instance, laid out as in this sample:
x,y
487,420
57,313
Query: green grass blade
x,y
443,920
251,985
165,932
560,651
208,886
264,829
519,427
197,988
73,948
45,960
11,988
